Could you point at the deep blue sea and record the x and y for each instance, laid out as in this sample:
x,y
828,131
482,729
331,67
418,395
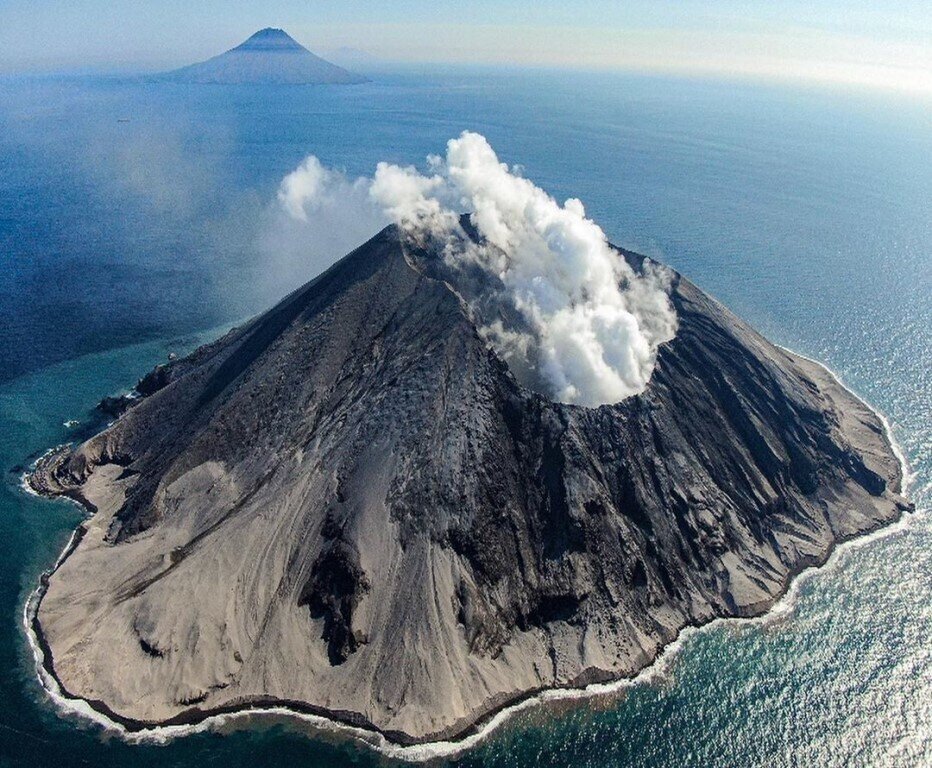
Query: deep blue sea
x,y
133,223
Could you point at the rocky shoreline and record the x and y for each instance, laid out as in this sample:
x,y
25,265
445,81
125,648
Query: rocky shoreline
x,y
352,725
448,746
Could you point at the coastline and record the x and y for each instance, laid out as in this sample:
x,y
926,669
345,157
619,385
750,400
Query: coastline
x,y
471,735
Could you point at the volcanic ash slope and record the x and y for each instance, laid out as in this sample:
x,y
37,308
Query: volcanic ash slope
x,y
349,505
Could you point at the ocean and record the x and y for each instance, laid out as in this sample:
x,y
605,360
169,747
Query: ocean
x,y
131,226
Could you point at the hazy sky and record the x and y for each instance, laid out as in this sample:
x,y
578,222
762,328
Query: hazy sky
x,y
879,43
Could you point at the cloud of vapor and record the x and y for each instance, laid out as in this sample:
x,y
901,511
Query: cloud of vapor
x,y
567,313
320,215
313,188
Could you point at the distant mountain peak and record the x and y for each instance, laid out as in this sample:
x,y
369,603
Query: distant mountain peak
x,y
270,56
270,39
271,32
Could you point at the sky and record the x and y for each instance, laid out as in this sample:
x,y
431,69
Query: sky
x,y
875,43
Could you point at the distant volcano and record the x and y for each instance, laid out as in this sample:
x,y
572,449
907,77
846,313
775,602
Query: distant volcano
x,y
270,56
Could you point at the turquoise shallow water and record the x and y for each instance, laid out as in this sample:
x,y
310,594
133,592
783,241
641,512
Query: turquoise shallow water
x,y
806,212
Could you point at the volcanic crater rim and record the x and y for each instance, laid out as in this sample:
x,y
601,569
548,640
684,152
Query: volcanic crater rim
x,y
419,256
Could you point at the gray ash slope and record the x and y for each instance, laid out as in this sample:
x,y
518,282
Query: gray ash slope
x,y
270,56
350,505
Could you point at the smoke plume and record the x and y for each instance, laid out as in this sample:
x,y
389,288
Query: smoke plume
x,y
566,312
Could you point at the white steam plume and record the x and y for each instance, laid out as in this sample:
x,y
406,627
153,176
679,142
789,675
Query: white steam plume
x,y
566,311
319,216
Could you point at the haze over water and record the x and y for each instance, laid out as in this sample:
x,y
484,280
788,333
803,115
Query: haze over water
x,y
134,212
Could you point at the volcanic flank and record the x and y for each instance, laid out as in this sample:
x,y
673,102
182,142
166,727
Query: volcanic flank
x,y
270,56
351,506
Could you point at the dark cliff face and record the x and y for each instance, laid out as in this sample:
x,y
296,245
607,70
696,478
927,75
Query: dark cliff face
x,y
522,540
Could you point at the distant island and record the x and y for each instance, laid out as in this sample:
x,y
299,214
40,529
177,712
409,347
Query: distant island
x,y
270,56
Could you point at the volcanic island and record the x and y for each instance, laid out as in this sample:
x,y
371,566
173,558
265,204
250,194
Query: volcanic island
x,y
349,506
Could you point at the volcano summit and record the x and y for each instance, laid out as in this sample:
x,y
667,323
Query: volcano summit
x,y
351,506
